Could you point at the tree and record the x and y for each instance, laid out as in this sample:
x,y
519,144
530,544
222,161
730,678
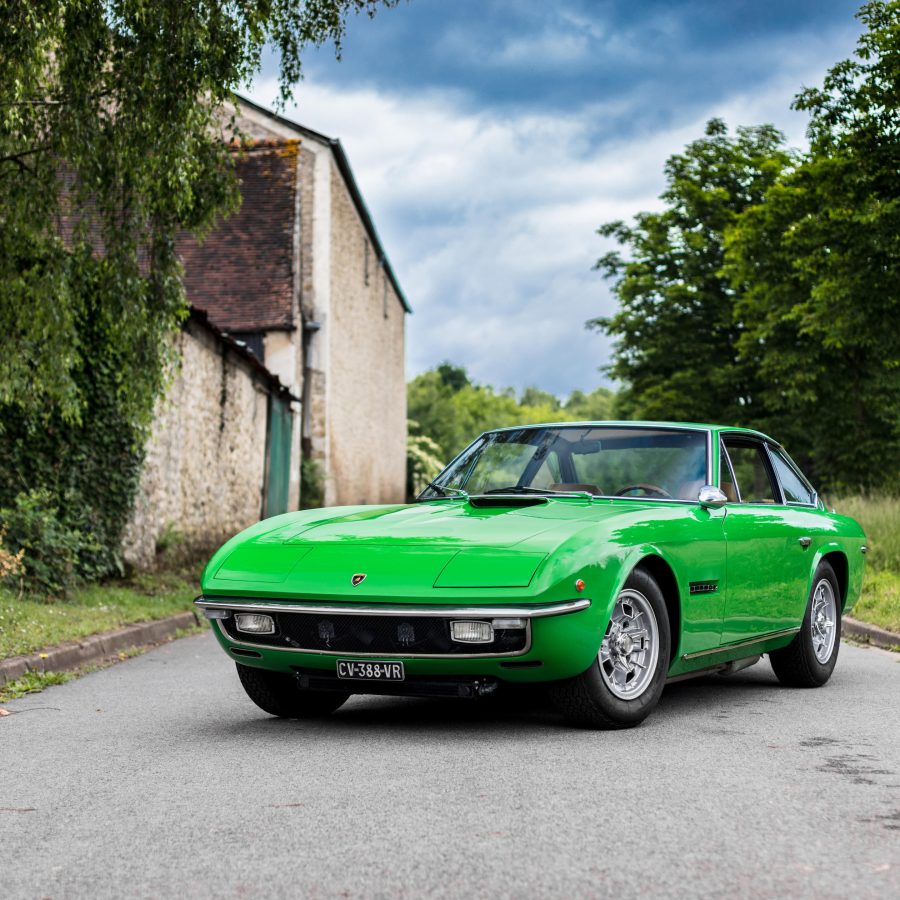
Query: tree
x,y
111,142
114,137
816,266
451,417
593,407
676,334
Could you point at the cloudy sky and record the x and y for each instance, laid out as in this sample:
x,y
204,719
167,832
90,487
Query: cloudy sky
x,y
491,137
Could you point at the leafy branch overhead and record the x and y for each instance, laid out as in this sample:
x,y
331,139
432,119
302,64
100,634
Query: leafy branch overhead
x,y
111,126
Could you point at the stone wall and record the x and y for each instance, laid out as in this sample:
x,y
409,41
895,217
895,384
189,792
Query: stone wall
x,y
204,470
366,386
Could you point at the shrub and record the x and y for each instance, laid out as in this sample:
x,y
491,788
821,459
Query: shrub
x,y
11,565
52,553
312,487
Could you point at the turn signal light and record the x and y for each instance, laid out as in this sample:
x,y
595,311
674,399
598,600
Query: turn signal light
x,y
254,623
472,632
508,624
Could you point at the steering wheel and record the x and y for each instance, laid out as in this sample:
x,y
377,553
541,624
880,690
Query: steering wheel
x,y
650,489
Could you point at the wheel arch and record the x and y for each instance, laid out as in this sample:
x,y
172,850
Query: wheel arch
x,y
837,559
663,574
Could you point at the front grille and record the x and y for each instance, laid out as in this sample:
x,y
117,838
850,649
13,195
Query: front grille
x,y
395,635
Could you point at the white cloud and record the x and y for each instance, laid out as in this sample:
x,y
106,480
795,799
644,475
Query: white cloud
x,y
489,218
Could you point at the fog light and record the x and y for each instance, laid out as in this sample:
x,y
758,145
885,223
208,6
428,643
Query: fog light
x,y
472,632
508,624
254,623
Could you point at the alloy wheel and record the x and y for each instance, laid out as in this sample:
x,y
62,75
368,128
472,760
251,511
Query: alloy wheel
x,y
822,620
630,646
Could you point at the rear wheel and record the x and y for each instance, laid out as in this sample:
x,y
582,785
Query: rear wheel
x,y
278,695
624,683
810,658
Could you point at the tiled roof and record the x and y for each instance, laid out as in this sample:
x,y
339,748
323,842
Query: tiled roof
x,y
343,164
241,275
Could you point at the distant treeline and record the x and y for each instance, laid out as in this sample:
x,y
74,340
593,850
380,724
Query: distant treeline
x,y
447,410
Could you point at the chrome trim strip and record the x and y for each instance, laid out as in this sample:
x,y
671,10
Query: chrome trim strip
x,y
347,609
757,640
345,654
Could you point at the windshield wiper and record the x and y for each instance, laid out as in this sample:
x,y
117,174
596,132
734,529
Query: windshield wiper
x,y
445,491
543,492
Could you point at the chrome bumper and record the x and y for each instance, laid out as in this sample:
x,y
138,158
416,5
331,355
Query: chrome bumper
x,y
228,604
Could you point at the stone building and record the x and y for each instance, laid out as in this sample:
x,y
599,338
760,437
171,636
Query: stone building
x,y
206,465
300,274
296,288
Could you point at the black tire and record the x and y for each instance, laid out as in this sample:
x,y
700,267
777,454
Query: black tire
x,y
796,665
587,702
279,695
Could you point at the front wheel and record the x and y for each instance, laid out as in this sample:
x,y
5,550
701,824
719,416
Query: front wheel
x,y
810,658
623,684
279,695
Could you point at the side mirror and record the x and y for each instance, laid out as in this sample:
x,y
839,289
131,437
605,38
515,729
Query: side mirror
x,y
711,497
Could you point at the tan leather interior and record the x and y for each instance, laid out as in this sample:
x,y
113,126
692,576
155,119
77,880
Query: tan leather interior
x,y
729,492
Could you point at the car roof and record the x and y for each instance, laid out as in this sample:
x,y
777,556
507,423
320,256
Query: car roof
x,y
635,423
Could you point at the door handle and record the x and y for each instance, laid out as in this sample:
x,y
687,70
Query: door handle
x,y
804,542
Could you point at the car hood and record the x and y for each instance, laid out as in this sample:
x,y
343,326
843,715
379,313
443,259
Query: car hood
x,y
403,551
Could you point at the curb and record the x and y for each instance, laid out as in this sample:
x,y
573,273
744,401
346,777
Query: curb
x,y
869,634
95,648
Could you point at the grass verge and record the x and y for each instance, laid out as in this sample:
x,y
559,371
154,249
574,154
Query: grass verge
x,y
879,603
30,624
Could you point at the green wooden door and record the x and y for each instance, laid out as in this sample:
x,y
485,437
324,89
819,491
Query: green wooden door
x,y
278,457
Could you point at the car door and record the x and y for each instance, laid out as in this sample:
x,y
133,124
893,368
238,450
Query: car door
x,y
766,565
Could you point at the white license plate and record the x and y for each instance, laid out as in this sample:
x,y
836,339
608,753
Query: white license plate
x,y
370,671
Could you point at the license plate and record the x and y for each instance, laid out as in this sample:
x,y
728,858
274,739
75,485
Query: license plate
x,y
370,671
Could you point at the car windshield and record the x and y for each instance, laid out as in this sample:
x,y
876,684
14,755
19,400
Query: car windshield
x,y
599,460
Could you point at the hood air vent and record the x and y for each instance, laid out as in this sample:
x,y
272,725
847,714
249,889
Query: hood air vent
x,y
506,500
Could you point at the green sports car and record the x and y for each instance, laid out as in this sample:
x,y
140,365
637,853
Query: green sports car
x,y
602,559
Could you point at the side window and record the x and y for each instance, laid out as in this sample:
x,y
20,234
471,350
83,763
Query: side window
x,y
751,472
795,490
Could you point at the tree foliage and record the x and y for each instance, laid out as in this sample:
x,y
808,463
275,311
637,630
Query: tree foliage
x,y
676,335
818,268
115,137
110,144
767,292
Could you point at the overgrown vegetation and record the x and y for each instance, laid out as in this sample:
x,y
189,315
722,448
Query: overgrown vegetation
x,y
766,291
115,137
32,682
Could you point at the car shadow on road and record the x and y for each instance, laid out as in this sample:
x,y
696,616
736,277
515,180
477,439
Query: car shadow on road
x,y
516,709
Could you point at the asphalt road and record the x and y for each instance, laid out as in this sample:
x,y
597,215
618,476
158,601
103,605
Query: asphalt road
x,y
158,778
